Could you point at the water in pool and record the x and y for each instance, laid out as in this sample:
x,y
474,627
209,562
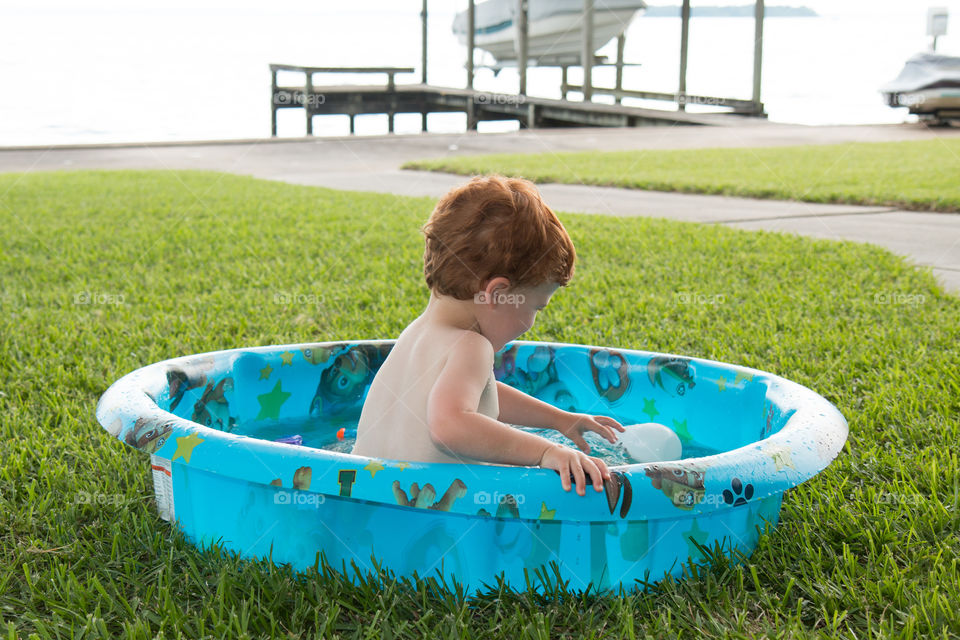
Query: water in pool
x,y
325,436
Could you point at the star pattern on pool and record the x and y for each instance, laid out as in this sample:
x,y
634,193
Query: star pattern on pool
x,y
742,375
546,514
650,407
185,446
373,466
265,372
780,456
721,384
766,515
680,427
270,403
759,514
286,358
698,534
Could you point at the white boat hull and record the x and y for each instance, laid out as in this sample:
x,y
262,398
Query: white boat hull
x,y
556,38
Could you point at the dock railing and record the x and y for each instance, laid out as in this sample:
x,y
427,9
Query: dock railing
x,y
531,112
738,106
305,96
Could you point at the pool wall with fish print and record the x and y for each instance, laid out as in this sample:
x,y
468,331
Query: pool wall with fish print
x,y
210,423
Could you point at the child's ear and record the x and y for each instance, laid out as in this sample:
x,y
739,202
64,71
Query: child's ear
x,y
492,290
494,286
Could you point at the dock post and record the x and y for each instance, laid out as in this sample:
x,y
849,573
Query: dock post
x,y
757,57
307,99
423,61
423,43
587,54
392,94
472,101
471,26
273,103
351,124
522,33
621,40
472,113
563,81
684,39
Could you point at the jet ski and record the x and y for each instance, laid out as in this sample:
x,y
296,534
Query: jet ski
x,y
929,86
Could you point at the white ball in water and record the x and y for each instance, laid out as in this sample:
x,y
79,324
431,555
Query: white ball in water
x,y
650,442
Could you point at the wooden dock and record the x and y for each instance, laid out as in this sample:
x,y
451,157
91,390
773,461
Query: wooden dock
x,y
532,112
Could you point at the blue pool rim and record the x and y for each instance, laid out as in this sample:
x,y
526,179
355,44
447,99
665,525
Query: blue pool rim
x,y
803,433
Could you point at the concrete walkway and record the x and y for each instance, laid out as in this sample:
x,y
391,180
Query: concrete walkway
x,y
371,163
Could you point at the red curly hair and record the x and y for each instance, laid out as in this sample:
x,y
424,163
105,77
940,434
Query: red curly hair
x,y
494,226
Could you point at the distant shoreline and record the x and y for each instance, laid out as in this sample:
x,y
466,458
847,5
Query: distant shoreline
x,y
739,11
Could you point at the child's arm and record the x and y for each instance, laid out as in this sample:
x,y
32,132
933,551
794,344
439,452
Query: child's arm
x,y
517,407
456,426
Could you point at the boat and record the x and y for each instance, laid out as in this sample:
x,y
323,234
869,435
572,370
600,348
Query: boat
x,y
554,32
929,86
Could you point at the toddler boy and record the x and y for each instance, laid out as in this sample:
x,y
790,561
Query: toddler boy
x,y
495,254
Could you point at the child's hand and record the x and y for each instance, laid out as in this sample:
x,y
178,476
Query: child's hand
x,y
579,423
569,461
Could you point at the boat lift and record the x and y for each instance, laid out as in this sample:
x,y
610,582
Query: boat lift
x,y
752,107
530,111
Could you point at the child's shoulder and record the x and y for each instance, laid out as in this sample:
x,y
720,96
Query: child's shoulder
x,y
461,343
467,342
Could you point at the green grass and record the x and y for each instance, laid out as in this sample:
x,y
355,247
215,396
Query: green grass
x,y
104,272
919,175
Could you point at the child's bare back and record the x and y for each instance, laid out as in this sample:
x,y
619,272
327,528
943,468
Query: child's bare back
x,y
394,416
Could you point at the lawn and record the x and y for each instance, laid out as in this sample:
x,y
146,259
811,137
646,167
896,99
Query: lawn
x,y
922,175
104,272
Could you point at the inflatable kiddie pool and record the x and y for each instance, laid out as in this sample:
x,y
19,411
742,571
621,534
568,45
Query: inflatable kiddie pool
x,y
210,424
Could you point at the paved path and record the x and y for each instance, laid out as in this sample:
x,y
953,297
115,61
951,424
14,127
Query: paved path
x,y
371,163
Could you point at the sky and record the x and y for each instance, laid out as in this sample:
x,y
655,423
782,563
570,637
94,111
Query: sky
x,y
821,6
385,7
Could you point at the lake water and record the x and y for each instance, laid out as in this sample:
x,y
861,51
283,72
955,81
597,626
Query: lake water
x,y
115,74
